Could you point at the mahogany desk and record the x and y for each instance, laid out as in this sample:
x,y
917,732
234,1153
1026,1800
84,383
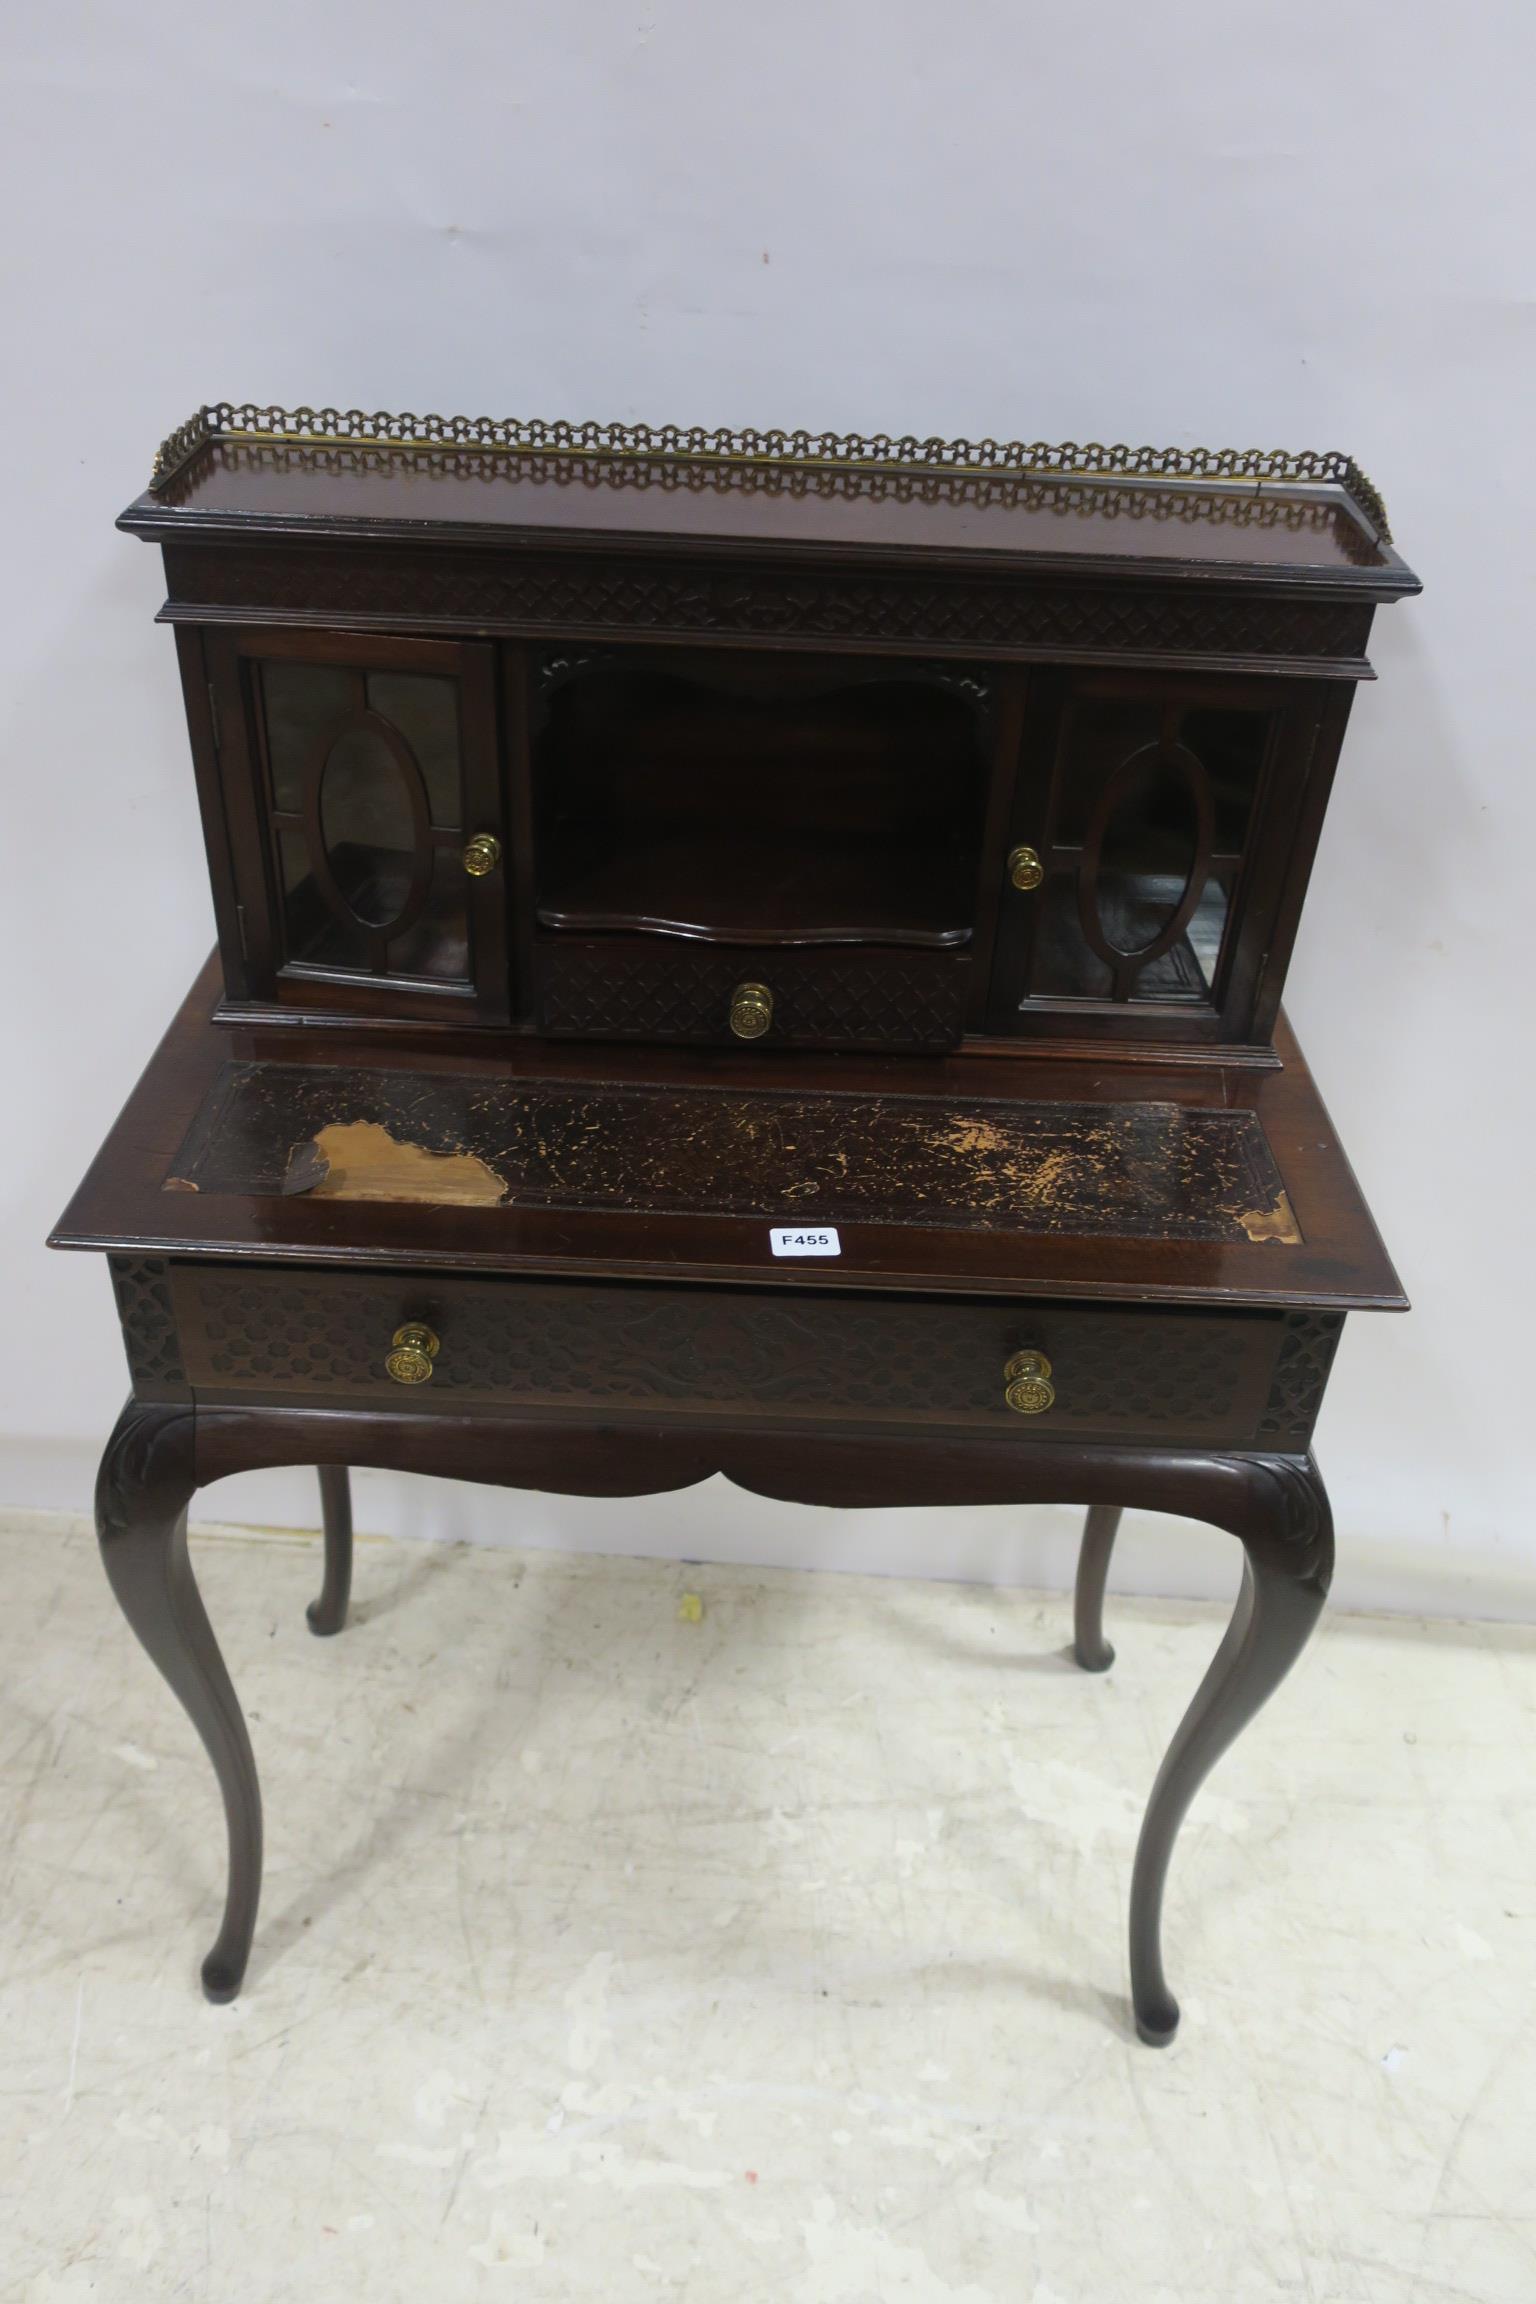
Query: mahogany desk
x,y
623,854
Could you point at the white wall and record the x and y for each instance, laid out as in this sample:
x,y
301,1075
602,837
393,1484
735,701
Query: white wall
x,y
1306,224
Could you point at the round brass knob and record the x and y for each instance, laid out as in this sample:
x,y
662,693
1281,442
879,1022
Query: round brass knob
x,y
482,855
751,1011
1025,869
1027,1385
415,1349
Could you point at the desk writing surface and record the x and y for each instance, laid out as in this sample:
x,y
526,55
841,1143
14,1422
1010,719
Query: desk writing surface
x,y
473,1138
975,1174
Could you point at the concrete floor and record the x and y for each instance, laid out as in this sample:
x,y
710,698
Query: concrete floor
x,y
778,1955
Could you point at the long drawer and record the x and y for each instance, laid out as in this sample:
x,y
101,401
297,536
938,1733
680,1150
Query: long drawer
x,y
616,1350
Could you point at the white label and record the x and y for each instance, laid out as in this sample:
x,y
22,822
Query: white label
x,y
805,1240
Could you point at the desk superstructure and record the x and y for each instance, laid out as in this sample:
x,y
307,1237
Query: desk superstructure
x,y
753,953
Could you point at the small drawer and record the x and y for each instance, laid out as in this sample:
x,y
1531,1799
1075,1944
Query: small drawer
x,y
844,996
556,1348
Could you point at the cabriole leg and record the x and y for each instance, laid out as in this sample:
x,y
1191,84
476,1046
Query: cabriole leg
x,y
1287,1540
329,1613
1089,1645
146,1481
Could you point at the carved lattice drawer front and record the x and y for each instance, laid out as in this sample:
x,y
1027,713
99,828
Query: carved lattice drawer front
x,y
566,1347
844,996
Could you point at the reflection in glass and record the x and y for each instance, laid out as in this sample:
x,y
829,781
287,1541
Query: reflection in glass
x,y
1209,925
1148,848
424,707
367,825
304,704
437,945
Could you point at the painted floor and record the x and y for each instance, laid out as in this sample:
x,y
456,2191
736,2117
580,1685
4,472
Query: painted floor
x,y
610,1955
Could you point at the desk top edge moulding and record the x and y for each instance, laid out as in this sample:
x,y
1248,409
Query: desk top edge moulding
x,y
750,952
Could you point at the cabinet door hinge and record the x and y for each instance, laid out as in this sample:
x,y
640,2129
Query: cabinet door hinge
x,y
245,950
213,715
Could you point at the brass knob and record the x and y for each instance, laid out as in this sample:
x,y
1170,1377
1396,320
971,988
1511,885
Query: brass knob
x,y
1027,1385
482,855
1025,869
415,1349
751,1011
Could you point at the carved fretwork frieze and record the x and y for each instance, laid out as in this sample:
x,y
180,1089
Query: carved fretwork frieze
x,y
148,1318
574,595
1300,1379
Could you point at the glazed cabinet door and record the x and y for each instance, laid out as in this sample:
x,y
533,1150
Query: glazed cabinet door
x,y
365,821
1161,832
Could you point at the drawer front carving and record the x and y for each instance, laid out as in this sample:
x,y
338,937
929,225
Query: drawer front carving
x,y
616,988
559,1347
